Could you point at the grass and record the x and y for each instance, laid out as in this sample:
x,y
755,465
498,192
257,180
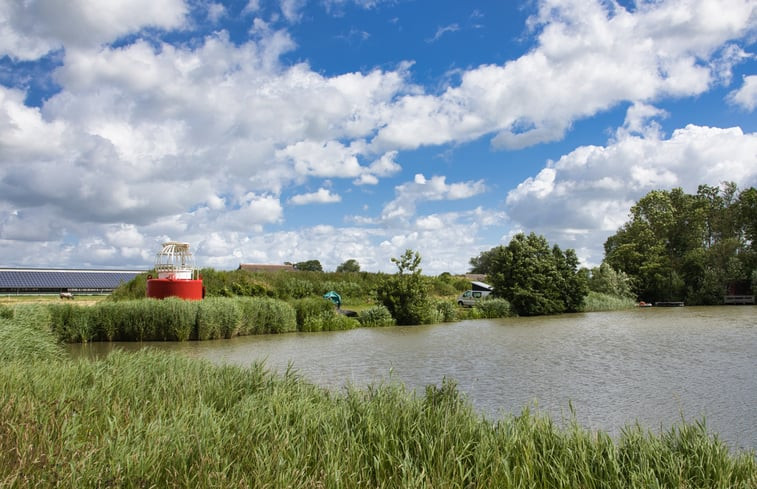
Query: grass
x,y
596,302
82,300
151,419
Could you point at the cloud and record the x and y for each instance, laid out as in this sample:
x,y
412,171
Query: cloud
x,y
442,31
589,57
746,96
409,194
321,196
586,195
146,140
33,29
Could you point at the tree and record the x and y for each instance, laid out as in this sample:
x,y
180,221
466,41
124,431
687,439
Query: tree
x,y
535,279
483,262
309,266
404,293
693,248
350,265
606,280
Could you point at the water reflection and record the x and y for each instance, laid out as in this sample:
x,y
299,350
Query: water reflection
x,y
652,365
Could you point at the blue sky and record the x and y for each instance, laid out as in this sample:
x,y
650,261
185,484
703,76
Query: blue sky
x,y
266,131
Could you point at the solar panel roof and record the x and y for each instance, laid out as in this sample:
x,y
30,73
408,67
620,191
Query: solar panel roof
x,y
64,279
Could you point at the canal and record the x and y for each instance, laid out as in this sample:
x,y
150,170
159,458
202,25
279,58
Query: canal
x,y
654,366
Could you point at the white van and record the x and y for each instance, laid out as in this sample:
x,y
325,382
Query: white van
x,y
470,297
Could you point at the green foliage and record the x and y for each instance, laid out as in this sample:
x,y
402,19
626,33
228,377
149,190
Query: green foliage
x,y
535,279
328,321
320,315
404,294
160,420
133,289
349,266
483,263
376,316
296,288
217,318
597,301
262,315
446,310
309,266
606,280
493,307
311,308
692,248
25,336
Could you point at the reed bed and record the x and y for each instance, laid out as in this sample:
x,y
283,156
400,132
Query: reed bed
x,y
596,302
151,419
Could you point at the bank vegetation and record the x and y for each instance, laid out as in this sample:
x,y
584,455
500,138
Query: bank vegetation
x,y
152,419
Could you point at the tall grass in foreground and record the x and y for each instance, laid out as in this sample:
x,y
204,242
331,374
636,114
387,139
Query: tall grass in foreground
x,y
151,419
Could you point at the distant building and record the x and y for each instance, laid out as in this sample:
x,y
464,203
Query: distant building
x,y
20,281
478,277
256,267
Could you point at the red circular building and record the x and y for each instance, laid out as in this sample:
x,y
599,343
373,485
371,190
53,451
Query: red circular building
x,y
177,275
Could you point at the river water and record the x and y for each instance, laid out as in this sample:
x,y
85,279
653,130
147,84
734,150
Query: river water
x,y
656,366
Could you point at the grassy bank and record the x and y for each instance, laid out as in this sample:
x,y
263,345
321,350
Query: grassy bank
x,y
151,419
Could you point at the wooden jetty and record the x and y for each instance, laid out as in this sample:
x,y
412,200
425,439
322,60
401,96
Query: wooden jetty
x,y
738,299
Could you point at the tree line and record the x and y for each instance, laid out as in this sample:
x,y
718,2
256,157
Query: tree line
x,y
694,248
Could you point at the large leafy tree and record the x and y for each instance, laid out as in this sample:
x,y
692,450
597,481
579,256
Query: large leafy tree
x,y
679,246
483,262
535,278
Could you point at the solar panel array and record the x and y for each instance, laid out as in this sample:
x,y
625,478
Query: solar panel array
x,y
59,279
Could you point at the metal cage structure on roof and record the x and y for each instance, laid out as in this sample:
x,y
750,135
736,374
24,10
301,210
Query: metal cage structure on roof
x,y
175,261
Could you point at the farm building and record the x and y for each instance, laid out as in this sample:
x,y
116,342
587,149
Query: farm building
x,y
18,281
256,267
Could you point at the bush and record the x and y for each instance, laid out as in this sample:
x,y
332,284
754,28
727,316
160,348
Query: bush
x,y
446,310
296,289
309,312
490,308
328,321
376,316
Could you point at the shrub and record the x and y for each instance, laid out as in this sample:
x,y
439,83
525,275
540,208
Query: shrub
x,y
493,308
376,316
446,310
311,307
296,289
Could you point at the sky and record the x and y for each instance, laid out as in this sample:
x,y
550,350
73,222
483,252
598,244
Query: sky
x,y
272,131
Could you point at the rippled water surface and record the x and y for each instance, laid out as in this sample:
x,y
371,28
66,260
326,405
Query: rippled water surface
x,y
653,365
